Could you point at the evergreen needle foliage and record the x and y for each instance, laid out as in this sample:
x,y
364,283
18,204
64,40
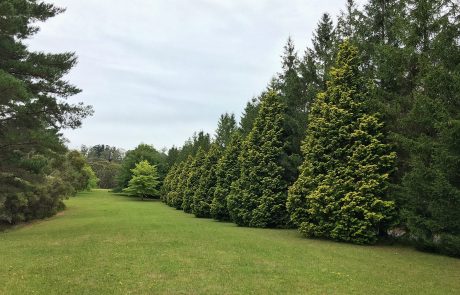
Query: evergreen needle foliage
x,y
192,180
204,193
227,171
341,192
258,197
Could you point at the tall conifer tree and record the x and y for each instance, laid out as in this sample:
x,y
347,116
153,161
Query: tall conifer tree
x,y
227,172
258,197
193,178
202,198
341,192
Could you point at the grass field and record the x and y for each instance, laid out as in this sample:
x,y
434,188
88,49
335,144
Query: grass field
x,y
111,244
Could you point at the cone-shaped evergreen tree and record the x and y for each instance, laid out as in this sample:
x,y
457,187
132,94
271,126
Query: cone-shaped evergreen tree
x,y
202,199
227,172
167,186
258,197
182,177
341,191
174,196
193,178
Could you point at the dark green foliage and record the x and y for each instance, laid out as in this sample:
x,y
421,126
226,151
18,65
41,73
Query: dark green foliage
x,y
106,172
191,146
291,91
227,171
105,162
192,180
202,199
249,115
258,197
102,152
172,156
341,192
33,111
140,153
323,48
225,128
51,181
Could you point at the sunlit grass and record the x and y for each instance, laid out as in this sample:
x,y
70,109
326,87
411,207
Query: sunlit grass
x,y
111,244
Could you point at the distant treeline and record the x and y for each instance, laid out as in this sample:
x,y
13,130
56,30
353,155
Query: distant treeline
x,y
357,138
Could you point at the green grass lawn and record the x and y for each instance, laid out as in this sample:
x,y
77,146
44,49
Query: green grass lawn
x,y
111,244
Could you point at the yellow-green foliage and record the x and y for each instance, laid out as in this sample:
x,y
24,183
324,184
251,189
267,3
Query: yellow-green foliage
x,y
258,197
202,199
227,171
341,192
193,177
144,182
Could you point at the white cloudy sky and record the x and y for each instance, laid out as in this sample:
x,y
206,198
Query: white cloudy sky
x,y
156,71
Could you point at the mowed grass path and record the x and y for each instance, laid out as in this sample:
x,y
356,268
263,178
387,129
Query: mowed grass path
x,y
111,244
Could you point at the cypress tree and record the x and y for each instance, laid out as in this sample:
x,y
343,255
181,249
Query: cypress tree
x,y
193,177
341,191
167,186
227,171
174,196
181,185
258,197
202,198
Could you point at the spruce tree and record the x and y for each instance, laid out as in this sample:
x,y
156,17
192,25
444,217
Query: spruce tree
x,y
291,91
192,180
225,128
227,172
323,48
258,197
429,191
341,192
349,23
202,198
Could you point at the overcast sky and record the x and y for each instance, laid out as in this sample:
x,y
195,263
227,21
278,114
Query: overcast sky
x,y
156,71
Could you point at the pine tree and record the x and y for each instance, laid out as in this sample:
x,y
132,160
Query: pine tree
x,y
227,172
192,181
341,192
33,112
202,199
258,197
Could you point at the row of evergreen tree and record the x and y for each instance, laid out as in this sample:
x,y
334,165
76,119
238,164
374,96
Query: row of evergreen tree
x,y
358,136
